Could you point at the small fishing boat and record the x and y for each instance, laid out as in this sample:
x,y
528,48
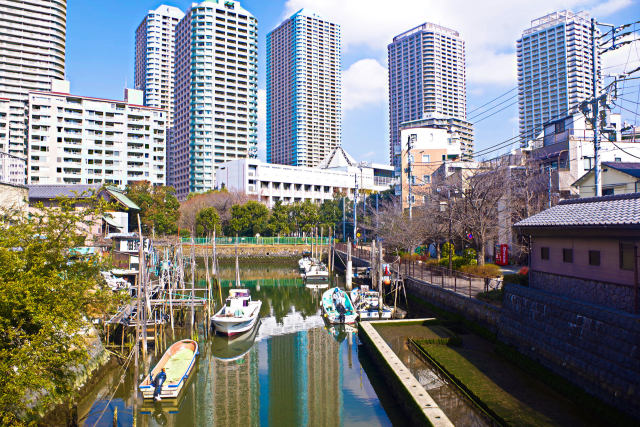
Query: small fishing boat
x,y
305,262
367,304
239,314
337,306
178,362
317,271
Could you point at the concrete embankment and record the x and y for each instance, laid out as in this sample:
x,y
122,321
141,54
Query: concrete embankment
x,y
252,251
419,405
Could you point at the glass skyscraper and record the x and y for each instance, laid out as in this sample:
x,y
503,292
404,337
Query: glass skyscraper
x,y
427,80
215,101
554,69
303,90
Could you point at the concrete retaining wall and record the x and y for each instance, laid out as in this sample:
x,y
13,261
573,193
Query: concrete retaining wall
x,y
472,309
593,347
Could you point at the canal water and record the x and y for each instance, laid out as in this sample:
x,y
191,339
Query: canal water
x,y
293,370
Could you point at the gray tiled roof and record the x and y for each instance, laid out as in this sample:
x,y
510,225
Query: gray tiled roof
x,y
52,191
618,210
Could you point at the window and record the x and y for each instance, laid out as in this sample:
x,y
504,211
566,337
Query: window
x,y
594,257
607,192
544,253
427,179
426,158
567,255
626,256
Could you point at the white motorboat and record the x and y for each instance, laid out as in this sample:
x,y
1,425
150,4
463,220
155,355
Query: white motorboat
x,y
114,282
337,306
367,304
317,271
239,314
304,263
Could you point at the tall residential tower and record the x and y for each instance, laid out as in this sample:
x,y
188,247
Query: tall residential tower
x,y
427,81
32,54
554,69
155,39
303,90
215,102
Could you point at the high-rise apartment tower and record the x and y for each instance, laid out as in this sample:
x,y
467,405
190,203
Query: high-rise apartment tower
x,y
426,80
32,54
554,69
155,38
215,95
303,90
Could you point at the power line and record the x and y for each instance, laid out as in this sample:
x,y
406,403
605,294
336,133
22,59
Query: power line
x,y
494,99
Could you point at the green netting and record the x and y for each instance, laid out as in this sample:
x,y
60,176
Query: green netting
x,y
258,240
178,364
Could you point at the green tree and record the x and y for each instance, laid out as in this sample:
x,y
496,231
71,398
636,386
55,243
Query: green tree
x,y
159,207
280,220
208,220
308,216
331,212
47,300
249,219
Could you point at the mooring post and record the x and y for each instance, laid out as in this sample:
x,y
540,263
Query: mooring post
x,y
349,271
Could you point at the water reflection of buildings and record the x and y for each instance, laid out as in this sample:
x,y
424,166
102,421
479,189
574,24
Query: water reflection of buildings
x,y
236,397
305,379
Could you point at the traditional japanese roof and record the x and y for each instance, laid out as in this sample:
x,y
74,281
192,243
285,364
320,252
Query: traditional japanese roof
x,y
617,210
337,158
48,192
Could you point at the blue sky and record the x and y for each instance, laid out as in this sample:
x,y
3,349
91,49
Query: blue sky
x,y
100,53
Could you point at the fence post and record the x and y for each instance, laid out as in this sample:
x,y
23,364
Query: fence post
x,y
455,283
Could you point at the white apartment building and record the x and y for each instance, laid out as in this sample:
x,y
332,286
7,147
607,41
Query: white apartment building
x,y
216,93
32,54
155,40
303,90
270,182
427,79
83,140
12,166
554,69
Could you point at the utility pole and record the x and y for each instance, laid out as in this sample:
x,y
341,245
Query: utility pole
x,y
410,142
355,209
450,221
344,219
596,136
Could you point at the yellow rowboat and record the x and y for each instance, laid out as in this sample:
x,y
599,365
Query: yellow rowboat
x,y
178,362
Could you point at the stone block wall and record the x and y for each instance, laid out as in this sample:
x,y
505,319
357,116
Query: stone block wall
x,y
592,346
612,295
13,196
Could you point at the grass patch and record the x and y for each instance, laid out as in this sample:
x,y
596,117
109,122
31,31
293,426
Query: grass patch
x,y
494,295
499,404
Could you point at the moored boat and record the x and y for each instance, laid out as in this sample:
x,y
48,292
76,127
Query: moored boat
x,y
239,314
337,306
177,362
317,271
367,304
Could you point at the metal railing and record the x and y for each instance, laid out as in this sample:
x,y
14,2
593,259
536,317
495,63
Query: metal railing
x,y
269,241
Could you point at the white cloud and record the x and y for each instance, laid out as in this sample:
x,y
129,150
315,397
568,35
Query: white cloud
x,y
262,124
363,83
609,7
490,28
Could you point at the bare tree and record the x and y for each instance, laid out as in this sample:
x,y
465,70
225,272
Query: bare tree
x,y
398,231
476,212
221,200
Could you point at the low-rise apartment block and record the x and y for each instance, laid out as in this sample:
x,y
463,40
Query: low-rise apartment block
x,y
77,139
339,173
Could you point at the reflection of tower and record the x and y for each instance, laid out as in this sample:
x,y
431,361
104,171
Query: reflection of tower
x,y
236,391
287,379
324,379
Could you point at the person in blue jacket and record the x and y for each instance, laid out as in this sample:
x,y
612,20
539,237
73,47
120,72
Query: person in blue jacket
x,y
157,383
